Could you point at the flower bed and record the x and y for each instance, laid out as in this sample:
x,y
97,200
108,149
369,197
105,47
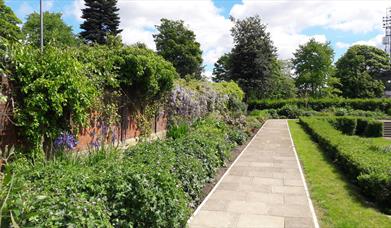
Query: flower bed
x,y
150,185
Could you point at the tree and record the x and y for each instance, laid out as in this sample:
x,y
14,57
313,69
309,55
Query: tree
x,y
101,20
359,70
9,23
222,68
281,83
252,56
177,44
54,30
312,63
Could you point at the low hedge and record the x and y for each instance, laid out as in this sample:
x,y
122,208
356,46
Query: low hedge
x,y
358,126
370,169
150,185
382,104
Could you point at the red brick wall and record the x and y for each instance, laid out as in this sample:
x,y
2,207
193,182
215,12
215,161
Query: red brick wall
x,y
126,130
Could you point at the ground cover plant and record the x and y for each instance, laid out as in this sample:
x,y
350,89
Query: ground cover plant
x,y
338,203
150,185
365,166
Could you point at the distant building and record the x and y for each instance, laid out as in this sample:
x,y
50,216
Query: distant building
x,y
386,76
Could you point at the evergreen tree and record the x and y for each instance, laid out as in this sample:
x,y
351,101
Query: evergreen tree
x,y
101,20
222,68
9,23
252,57
178,44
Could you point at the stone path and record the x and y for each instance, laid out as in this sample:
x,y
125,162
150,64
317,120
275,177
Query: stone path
x,y
264,187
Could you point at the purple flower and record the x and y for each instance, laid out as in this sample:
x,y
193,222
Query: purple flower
x,y
65,140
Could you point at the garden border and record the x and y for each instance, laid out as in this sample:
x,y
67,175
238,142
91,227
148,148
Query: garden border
x,y
222,177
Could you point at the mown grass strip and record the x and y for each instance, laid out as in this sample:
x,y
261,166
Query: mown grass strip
x,y
337,202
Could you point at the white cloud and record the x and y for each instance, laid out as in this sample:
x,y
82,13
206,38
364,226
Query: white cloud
x,y
286,19
138,20
375,41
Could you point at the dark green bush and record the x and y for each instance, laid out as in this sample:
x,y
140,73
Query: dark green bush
x,y
347,125
289,111
361,127
374,129
367,167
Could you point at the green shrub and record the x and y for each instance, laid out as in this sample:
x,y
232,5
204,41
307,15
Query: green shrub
x,y
237,136
347,125
289,111
100,190
373,104
367,167
374,129
178,131
361,127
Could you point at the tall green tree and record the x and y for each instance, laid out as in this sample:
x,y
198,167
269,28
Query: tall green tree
x,y
177,44
101,19
280,84
359,69
252,56
9,23
313,65
222,68
54,30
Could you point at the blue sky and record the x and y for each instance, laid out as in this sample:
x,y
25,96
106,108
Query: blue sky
x,y
290,23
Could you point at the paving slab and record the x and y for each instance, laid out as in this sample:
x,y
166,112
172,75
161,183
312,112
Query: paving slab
x,y
264,187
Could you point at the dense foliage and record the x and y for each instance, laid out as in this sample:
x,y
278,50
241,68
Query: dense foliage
x,y
9,28
177,44
101,19
361,159
320,104
51,92
358,126
222,68
55,31
252,56
190,100
152,185
358,70
312,63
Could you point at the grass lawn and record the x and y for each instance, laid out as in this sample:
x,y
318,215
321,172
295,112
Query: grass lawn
x,y
336,201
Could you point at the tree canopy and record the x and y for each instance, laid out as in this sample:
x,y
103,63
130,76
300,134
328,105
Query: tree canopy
x,y
54,30
101,19
222,68
177,44
9,23
359,69
313,65
252,56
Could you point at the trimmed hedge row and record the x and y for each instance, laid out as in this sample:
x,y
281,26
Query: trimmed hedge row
x,y
382,104
369,168
358,126
150,185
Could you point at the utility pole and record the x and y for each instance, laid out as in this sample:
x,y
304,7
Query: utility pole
x,y
41,14
387,27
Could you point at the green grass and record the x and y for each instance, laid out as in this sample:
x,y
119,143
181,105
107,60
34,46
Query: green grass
x,y
336,201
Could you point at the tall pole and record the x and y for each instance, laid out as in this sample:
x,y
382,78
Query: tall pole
x,y
41,13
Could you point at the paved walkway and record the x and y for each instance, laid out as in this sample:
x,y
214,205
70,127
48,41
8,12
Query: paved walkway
x,y
263,188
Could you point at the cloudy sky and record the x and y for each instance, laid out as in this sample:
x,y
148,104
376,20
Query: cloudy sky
x,y
290,22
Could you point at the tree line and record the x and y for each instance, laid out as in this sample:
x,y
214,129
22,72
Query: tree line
x,y
253,62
